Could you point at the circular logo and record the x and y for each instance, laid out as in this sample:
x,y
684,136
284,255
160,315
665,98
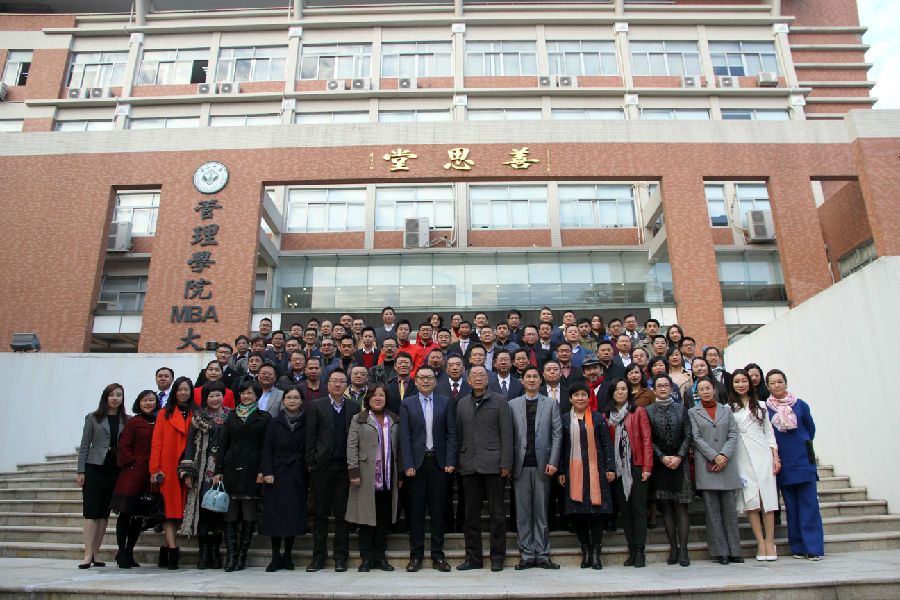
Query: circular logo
x,y
210,177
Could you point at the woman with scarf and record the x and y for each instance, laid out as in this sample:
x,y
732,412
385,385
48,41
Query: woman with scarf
x,y
587,466
633,452
197,468
284,476
239,464
372,454
700,370
134,478
757,461
670,482
794,432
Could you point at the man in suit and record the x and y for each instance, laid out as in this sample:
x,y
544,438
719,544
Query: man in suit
x,y
531,343
455,385
327,426
501,379
559,334
611,369
277,354
403,386
312,387
631,330
556,389
164,378
716,368
295,374
622,355
384,372
596,382
514,322
387,330
241,352
368,355
484,429
462,345
573,338
570,373
230,374
428,452
545,338
270,401
651,328
537,440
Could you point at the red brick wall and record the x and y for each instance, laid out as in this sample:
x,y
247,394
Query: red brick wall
x,y
391,83
843,219
143,91
879,180
832,13
600,237
722,236
509,238
524,81
322,241
600,81
34,22
831,74
49,70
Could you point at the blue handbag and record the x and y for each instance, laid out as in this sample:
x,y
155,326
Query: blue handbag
x,y
216,499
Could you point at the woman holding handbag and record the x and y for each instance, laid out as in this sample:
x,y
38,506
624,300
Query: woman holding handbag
x,y
197,468
134,478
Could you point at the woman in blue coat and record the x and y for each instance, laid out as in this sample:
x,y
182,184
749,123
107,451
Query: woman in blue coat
x,y
794,432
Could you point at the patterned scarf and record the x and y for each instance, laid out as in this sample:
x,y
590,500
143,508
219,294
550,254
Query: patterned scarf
x,y
576,465
622,446
245,410
784,418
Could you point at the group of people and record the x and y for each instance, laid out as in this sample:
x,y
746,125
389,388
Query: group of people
x,y
592,424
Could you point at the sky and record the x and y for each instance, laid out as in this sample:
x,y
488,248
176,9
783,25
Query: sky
x,y
882,17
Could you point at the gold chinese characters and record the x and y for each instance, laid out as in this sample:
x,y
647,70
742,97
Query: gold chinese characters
x,y
459,159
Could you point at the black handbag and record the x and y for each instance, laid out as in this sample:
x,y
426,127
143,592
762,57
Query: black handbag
x,y
151,507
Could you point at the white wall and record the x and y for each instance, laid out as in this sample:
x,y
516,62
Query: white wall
x,y
48,395
841,353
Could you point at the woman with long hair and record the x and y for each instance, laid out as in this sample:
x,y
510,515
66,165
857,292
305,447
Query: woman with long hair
x,y
674,334
134,478
757,461
598,329
98,468
699,370
169,441
639,393
677,373
758,380
197,468
659,366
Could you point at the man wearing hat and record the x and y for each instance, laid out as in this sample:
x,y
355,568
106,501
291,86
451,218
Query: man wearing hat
x,y
596,379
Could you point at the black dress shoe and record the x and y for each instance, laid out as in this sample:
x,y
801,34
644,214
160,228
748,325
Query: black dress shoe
x,y
315,565
467,566
496,566
364,567
86,565
340,565
97,563
735,559
441,565
523,564
546,564
723,560
413,565
383,564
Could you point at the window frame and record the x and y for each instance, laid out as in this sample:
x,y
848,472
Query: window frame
x,y
667,52
559,65
258,55
425,60
182,56
22,67
178,122
757,202
140,293
360,62
620,114
421,207
510,224
724,60
715,219
327,205
675,112
753,114
596,207
300,116
151,209
506,114
246,120
496,49
110,72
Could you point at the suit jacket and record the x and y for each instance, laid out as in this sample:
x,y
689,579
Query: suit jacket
x,y
381,334
485,435
394,398
320,430
515,387
455,348
281,366
575,374
310,396
541,355
412,431
711,437
274,405
95,441
445,387
563,401
287,381
358,358
547,433
616,369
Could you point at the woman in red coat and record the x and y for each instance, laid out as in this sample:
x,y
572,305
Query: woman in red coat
x,y
633,450
134,478
169,440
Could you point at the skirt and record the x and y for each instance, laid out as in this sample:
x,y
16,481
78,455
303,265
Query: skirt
x,y
99,483
668,484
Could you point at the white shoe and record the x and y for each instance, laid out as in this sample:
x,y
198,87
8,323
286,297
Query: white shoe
x,y
761,558
772,558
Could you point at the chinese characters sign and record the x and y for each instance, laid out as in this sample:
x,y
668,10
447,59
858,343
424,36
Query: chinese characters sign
x,y
457,159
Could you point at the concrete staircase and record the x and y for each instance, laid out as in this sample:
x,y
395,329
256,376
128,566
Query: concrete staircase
x,y
40,517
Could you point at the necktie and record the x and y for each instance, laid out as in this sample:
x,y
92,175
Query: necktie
x,y
429,436
402,388
533,358
463,345
162,398
503,387
553,393
455,391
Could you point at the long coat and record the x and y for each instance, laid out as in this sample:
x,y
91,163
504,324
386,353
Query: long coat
x,y
362,452
756,440
485,435
284,502
134,457
712,437
796,466
169,440
240,457
606,463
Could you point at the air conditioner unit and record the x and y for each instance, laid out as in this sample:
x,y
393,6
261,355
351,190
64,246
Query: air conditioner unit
x,y
230,88
207,88
362,83
407,83
100,93
545,81
567,81
333,85
73,93
767,79
760,227
416,233
119,237
690,81
728,81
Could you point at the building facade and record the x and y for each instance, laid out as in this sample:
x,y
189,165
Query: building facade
x,y
169,177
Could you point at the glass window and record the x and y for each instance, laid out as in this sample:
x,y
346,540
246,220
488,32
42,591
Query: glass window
x,y
503,114
755,114
361,116
325,209
242,120
665,58
751,196
96,69
501,58
750,277
715,203
164,123
138,208
107,125
393,205
336,61
413,116
171,67
677,114
743,58
508,207
18,63
251,64
123,293
596,206
582,58
590,114
11,125
416,59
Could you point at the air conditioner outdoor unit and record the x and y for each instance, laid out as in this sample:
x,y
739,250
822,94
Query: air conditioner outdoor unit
x,y
767,79
230,88
119,237
99,93
416,233
690,81
362,83
3,91
545,81
407,83
728,81
333,85
567,81
207,88
73,93
760,227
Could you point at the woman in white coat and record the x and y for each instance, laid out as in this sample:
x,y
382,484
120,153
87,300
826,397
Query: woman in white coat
x,y
758,462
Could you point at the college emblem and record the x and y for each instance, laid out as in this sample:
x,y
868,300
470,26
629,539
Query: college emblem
x,y
210,177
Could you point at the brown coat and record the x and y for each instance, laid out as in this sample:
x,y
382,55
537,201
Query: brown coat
x,y
645,397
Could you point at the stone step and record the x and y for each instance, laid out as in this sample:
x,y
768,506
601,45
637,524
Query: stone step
x,y
66,481
49,465
852,507
64,456
843,494
40,493
32,473
832,483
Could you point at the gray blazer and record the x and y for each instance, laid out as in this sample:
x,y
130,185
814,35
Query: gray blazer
x,y
711,438
95,441
485,435
274,405
547,433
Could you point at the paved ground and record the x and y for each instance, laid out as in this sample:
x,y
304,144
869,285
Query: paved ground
x,y
846,575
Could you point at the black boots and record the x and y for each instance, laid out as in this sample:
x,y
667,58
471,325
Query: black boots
x,y
215,557
203,552
595,557
639,558
163,557
629,562
134,532
244,545
230,546
174,554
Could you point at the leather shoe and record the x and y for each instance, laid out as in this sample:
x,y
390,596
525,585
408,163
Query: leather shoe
x,y
441,565
364,567
466,566
315,565
723,560
340,565
413,566
383,564
735,559
496,566
525,563
546,564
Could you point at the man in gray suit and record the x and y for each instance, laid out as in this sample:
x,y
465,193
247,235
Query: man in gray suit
x,y
484,429
537,436
270,401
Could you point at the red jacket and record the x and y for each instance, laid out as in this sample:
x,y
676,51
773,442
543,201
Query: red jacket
x,y
169,440
637,425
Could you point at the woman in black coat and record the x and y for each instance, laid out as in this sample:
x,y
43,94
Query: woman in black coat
x,y
284,476
239,464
